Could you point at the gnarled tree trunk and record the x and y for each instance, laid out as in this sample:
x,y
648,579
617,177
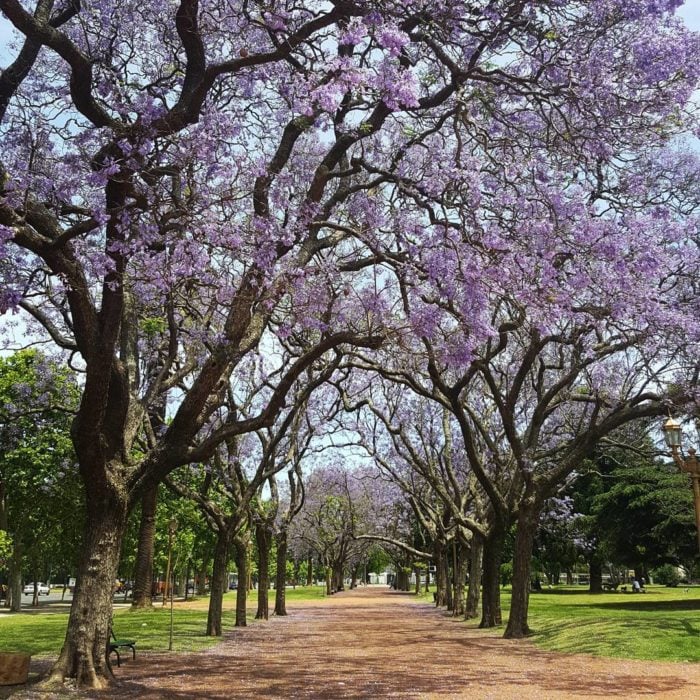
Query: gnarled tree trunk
x,y
595,569
491,568
528,519
219,582
440,580
459,575
241,545
83,656
263,538
143,574
14,582
471,609
449,589
281,575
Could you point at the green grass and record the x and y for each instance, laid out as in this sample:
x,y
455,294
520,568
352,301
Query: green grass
x,y
42,633
299,593
662,624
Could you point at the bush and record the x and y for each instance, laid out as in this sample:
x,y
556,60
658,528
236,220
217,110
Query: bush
x,y
666,575
506,573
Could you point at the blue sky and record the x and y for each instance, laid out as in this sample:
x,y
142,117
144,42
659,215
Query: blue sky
x,y
691,13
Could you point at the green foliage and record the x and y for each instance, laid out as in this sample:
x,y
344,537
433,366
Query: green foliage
x,y
38,467
636,510
666,575
506,573
5,547
646,516
377,560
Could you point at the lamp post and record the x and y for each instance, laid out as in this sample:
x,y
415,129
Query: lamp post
x,y
690,464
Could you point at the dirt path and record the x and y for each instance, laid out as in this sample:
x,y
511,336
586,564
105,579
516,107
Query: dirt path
x,y
373,643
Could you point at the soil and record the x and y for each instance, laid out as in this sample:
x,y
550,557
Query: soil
x,y
376,643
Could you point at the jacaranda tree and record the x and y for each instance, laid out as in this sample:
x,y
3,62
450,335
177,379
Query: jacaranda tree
x,y
184,181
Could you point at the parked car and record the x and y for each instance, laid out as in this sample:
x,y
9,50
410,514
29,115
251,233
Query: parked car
x,y
42,589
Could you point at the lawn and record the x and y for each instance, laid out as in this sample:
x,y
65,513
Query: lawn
x,y
42,634
662,624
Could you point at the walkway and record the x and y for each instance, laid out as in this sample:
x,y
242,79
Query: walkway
x,y
374,643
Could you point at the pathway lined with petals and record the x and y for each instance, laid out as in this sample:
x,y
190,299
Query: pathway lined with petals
x,y
376,643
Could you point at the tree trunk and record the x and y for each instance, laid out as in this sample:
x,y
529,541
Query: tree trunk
x,y
595,571
219,582
143,575
471,609
528,520
417,570
427,579
241,547
310,571
263,538
14,581
449,600
83,655
440,582
202,577
491,572
281,577
460,574
338,584
354,574
329,583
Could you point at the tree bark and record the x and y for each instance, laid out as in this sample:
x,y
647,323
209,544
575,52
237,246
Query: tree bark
x,y
449,600
143,575
528,520
440,582
491,568
241,548
595,570
329,583
354,575
281,576
263,538
471,609
219,582
338,584
83,655
201,583
460,574
14,582
310,571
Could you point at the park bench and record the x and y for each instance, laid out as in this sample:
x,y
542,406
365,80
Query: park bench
x,y
611,586
116,644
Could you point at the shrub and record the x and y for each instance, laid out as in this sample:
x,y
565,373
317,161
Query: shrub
x,y
667,575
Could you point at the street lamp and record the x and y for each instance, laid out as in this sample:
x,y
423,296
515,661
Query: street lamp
x,y
690,464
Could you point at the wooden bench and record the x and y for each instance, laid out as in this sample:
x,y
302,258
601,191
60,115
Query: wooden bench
x,y
116,644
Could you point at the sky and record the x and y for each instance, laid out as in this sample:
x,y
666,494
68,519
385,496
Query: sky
x,y
690,12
